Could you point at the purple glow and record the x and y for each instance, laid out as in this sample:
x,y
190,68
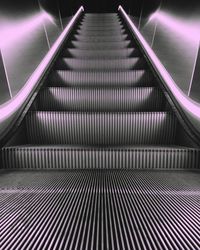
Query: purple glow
x,y
10,107
14,31
189,30
191,106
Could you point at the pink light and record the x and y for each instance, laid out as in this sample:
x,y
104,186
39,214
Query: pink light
x,y
191,106
14,31
189,30
10,107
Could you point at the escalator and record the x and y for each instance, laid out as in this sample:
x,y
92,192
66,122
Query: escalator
x,y
101,160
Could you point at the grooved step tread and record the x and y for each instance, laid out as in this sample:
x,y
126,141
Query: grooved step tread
x,y
101,128
106,21
100,45
83,32
112,38
68,157
103,99
101,78
100,64
106,53
89,26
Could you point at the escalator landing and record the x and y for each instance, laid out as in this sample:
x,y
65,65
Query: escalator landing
x,y
100,209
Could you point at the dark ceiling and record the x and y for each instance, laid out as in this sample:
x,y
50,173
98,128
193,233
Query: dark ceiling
x,y
68,7
131,6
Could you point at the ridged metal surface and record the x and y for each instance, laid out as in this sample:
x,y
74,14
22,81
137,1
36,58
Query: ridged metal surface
x,y
106,53
100,38
101,210
100,45
99,26
85,32
62,157
100,64
101,78
103,21
100,128
101,99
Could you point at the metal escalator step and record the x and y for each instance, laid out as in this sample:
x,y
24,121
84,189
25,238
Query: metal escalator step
x,y
111,29
99,26
104,54
101,23
107,79
101,15
112,38
100,64
111,14
102,20
63,157
117,32
100,45
100,129
100,100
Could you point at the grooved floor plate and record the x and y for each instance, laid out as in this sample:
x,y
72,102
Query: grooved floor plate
x,y
100,210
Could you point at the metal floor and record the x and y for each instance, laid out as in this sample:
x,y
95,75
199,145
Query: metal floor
x,y
100,209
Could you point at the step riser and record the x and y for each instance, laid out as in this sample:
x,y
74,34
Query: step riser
x,y
99,79
100,45
100,38
100,27
45,158
105,21
116,33
97,64
100,129
100,100
102,54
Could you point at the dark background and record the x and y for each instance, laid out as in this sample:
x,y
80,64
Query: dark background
x,y
132,6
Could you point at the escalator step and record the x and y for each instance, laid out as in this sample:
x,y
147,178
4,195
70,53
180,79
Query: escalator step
x,y
96,79
100,64
62,157
99,54
109,100
101,20
99,38
101,45
100,26
101,128
83,32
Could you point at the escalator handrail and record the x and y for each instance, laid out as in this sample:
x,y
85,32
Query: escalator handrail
x,y
187,105
11,107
